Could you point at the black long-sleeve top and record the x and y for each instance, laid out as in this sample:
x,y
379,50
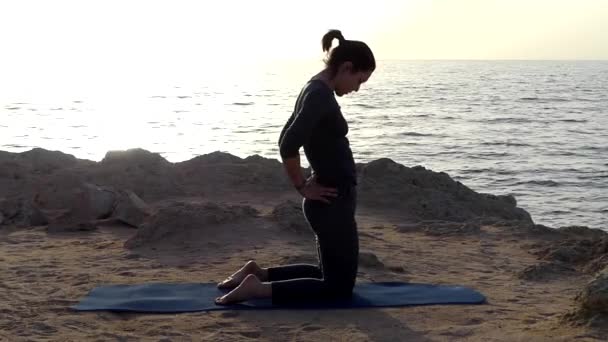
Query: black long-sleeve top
x,y
317,124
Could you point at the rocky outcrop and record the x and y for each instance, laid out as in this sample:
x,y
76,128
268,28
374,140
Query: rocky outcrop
x,y
546,271
592,303
131,209
575,252
594,297
183,218
222,172
288,215
20,213
439,228
370,260
424,194
147,174
567,250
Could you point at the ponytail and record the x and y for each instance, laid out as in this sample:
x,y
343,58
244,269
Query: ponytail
x,y
352,51
329,37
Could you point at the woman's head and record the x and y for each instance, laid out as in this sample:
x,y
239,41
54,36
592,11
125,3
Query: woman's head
x,y
350,64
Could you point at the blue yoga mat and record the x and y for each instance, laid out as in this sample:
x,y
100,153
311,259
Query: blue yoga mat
x,y
188,297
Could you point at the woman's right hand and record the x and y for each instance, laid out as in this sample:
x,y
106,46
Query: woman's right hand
x,y
315,191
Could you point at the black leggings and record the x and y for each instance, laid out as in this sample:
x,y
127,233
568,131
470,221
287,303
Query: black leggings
x,y
334,277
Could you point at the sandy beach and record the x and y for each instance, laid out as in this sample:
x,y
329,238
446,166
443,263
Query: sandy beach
x,y
68,225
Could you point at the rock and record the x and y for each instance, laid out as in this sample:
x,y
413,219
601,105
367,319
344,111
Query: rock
x,y
594,297
131,209
570,253
575,251
582,232
69,227
252,174
509,199
449,228
101,200
136,157
424,194
596,264
439,228
32,216
77,201
289,216
10,207
368,259
183,219
21,213
39,160
397,268
66,191
147,174
546,271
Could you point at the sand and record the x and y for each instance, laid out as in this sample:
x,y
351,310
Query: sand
x,y
236,210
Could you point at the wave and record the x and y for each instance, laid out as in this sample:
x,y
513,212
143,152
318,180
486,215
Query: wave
x,y
242,103
572,120
578,131
548,183
416,134
17,146
489,171
505,144
364,105
506,120
544,99
595,148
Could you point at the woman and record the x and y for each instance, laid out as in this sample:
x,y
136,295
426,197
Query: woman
x,y
329,194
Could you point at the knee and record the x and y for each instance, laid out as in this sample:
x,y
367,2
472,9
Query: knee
x,y
341,289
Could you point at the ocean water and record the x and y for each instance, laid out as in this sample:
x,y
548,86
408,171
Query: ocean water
x,y
533,129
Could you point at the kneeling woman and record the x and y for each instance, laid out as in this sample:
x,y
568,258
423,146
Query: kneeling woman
x,y
329,194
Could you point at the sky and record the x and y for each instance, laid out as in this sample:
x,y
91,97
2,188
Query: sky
x,y
115,38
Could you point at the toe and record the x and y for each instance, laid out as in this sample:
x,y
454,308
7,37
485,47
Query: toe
x,y
225,283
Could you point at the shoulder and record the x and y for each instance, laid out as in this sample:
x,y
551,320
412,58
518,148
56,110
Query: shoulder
x,y
317,91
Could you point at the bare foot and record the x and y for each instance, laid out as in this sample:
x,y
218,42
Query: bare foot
x,y
251,287
234,280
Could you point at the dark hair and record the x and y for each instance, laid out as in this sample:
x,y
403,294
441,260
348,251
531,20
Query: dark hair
x,y
352,51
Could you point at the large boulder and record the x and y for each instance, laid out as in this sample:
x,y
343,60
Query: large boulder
x,y
424,194
147,174
219,171
84,201
20,213
575,251
41,161
594,297
592,303
183,219
131,209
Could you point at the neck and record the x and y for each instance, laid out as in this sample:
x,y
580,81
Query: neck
x,y
324,75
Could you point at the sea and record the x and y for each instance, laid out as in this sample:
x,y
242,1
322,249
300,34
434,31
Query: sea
x,y
537,130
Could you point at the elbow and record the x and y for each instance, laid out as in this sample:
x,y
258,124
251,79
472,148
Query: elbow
x,y
288,152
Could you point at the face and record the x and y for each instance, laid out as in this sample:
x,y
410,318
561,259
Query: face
x,y
347,81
